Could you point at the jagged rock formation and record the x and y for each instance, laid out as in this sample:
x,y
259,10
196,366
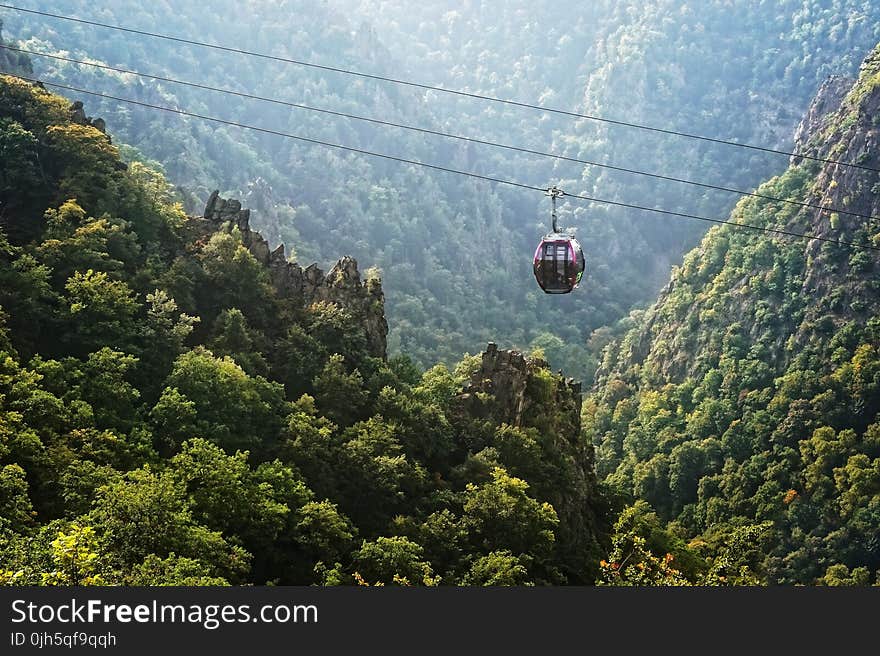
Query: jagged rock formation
x,y
342,285
509,377
510,388
504,375
78,116
220,210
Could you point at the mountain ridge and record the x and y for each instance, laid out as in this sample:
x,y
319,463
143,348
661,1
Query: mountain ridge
x,y
341,285
749,393
832,185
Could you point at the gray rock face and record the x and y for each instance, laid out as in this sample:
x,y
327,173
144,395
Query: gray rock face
x,y
828,98
341,285
504,375
221,210
78,116
510,377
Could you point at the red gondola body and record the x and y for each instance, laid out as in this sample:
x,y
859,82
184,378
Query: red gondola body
x,y
558,263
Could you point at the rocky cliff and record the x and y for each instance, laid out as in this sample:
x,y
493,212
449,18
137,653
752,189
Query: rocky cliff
x,y
750,393
511,381
511,389
341,285
827,101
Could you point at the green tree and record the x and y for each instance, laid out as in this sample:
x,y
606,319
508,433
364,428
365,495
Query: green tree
x,y
232,338
310,443
76,558
16,510
631,561
496,569
225,495
339,394
20,175
101,311
500,516
375,478
392,560
85,163
233,409
840,575
173,570
148,514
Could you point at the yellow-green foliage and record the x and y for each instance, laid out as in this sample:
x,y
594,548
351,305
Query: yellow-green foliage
x,y
32,106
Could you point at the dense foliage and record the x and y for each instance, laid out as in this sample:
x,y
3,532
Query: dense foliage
x,y
455,250
748,397
168,417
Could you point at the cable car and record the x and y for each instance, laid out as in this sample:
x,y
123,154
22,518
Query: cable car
x,y
559,261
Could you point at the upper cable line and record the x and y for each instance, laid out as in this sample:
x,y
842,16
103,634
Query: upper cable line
x,y
437,167
447,135
429,87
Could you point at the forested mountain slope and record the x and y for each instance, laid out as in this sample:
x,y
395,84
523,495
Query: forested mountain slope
x,y
748,395
454,251
181,404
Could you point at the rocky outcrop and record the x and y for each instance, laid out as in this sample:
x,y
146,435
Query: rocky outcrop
x,y
511,380
341,285
509,388
504,375
78,116
221,210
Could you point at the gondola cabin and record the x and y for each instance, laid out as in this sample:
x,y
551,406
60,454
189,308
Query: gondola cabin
x,y
559,263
